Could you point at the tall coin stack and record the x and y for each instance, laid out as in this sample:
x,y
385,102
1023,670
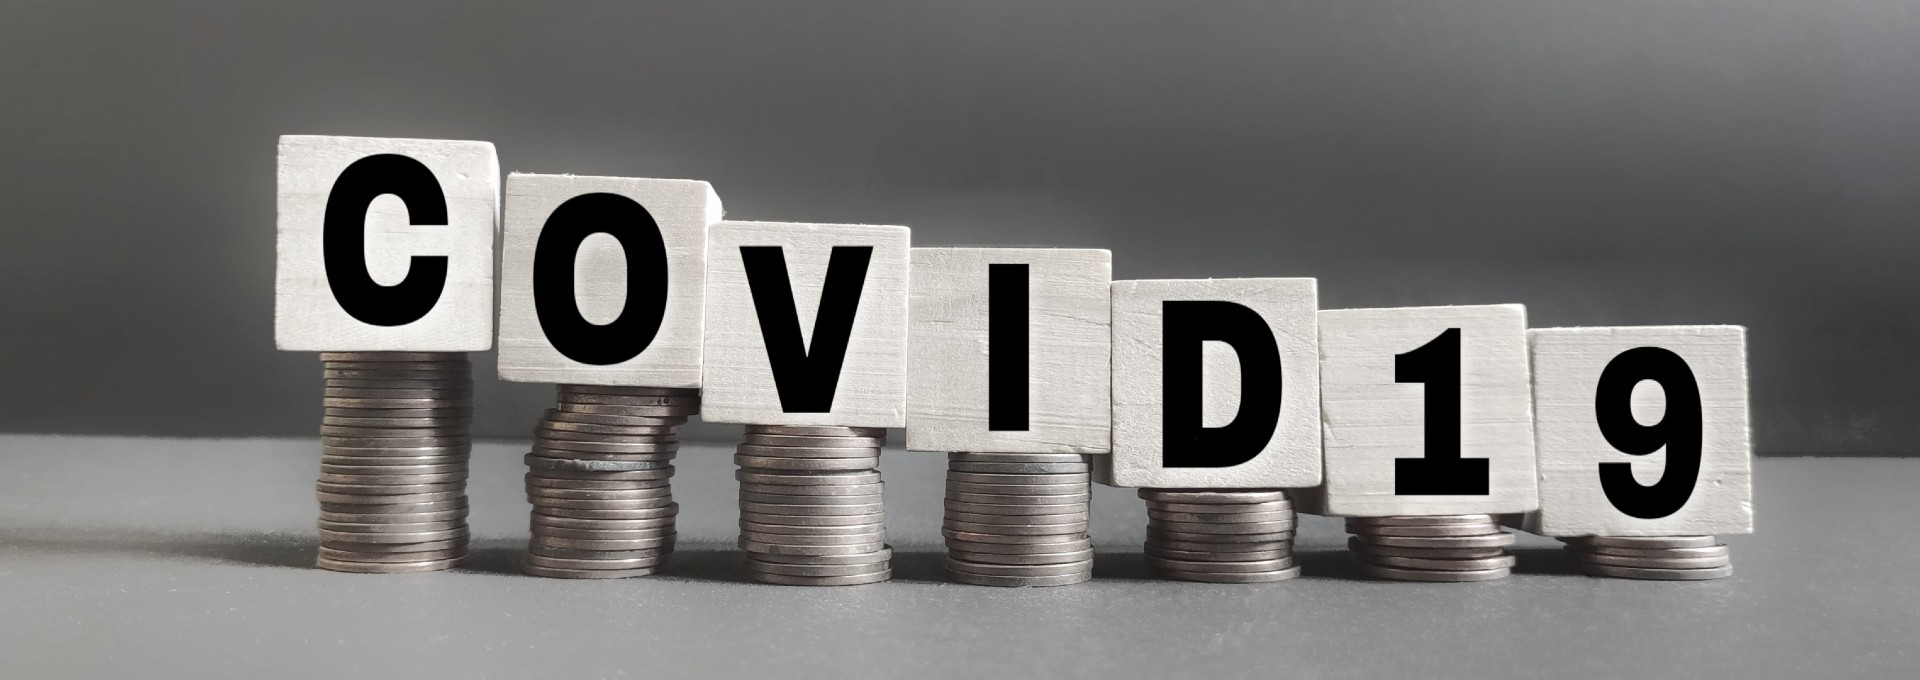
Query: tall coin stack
x,y
812,511
1018,519
1237,536
394,442
1439,548
599,480
1660,558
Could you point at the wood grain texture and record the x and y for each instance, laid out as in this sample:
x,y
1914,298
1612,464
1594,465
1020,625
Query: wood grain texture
x,y
1370,419
1069,331
1291,457
739,386
307,318
682,209
1567,363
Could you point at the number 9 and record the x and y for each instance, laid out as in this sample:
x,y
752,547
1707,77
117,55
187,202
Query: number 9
x,y
1679,431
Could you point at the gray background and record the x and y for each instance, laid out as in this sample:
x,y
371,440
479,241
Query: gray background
x,y
1740,162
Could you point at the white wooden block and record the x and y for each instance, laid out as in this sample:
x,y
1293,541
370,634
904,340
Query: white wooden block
x,y
1009,350
1674,399
414,226
868,388
1199,395
616,297
1402,389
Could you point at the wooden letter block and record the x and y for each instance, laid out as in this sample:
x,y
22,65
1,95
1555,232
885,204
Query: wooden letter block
x,y
602,280
1642,431
385,245
1009,350
1216,384
1428,411
806,325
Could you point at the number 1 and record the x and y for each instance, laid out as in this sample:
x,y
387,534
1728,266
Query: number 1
x,y
1441,472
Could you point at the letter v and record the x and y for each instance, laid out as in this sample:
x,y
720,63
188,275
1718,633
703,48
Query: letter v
x,y
806,373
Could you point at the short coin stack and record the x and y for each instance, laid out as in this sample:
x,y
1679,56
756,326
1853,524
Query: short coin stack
x,y
1223,536
811,506
598,479
1018,519
1439,548
1660,558
394,442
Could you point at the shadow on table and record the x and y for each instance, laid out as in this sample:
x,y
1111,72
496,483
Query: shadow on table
x,y
266,549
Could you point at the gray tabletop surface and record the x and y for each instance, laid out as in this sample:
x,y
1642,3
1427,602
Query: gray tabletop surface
x,y
192,558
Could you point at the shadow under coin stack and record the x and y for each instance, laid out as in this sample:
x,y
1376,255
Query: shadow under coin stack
x,y
598,479
1438,549
395,439
1018,519
1659,558
1225,536
811,506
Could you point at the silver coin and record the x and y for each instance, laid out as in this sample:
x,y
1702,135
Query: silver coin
x,y
1465,576
1152,550
394,393
810,464
788,580
1019,581
1423,521
1646,542
1206,496
976,518
1017,529
1220,518
814,520
778,549
582,465
385,567
986,478
1221,548
389,500
811,510
748,524
1023,570
802,479
594,562
813,540
1217,577
343,445
605,530
1711,551
397,364
1017,489
654,534
1003,538
435,425
816,570
772,441
391,432
869,454
537,478
1364,549
535,493
1221,567
601,503
664,517
873,489
386,548
391,518
1493,541
1429,531
395,537
599,544
662,473
1065,545
396,412
1006,501
384,355
1656,562
1016,510
460,465
620,410
678,401
818,431
1018,468
531,569
1186,531
382,462
881,556
554,415
1428,564
561,448
665,549
596,513
421,556
778,499
380,371
461,449
403,480
595,429
984,457
1022,558
1657,574
405,380
656,458
564,389
670,436
389,489
407,528
459,502
1211,510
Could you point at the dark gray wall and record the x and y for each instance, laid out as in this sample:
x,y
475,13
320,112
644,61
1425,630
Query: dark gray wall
x,y
1618,162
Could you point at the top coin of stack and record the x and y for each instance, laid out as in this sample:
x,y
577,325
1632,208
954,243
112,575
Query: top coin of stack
x,y
598,478
1017,519
1220,536
812,511
1659,558
393,469
1440,548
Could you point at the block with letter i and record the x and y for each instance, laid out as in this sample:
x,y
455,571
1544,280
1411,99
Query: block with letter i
x,y
1428,425
806,343
1216,413
1644,450
1009,372
602,282
385,267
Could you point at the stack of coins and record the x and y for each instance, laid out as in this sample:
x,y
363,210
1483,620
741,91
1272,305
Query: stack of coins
x,y
1226,536
1439,548
1660,558
394,438
811,509
1018,519
598,481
